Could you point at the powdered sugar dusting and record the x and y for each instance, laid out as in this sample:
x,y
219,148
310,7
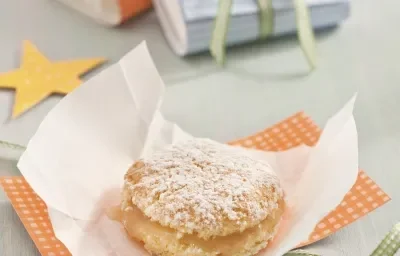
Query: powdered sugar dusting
x,y
204,187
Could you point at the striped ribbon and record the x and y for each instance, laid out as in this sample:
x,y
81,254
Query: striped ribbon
x,y
305,31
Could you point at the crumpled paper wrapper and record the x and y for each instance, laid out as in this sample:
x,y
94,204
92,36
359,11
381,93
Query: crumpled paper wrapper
x,y
78,157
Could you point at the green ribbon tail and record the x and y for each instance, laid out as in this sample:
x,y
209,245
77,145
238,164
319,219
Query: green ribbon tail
x,y
11,151
300,253
266,15
390,244
305,32
5,144
221,25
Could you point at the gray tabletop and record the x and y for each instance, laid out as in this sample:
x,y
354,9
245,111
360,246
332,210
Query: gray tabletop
x,y
262,84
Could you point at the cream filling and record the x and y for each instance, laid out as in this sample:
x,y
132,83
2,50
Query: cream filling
x,y
141,228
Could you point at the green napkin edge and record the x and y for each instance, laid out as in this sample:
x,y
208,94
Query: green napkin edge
x,y
390,244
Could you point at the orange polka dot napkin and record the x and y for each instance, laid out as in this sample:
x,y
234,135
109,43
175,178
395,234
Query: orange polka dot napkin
x,y
364,197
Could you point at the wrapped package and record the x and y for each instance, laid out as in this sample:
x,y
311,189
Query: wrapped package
x,y
188,24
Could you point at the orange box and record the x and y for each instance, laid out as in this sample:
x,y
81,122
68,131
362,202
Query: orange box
x,y
109,12
130,8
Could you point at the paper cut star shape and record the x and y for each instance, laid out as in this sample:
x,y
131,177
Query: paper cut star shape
x,y
38,77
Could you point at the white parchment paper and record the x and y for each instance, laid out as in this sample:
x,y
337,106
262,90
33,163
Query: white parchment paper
x,y
78,157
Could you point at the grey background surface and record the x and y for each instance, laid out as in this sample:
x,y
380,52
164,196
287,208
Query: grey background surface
x,y
262,84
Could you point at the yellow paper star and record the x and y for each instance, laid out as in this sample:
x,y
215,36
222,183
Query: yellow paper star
x,y
38,77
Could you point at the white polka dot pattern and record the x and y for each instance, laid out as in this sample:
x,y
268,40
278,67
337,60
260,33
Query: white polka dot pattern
x,y
33,213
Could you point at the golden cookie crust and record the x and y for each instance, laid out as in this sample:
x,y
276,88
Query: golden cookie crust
x,y
204,188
